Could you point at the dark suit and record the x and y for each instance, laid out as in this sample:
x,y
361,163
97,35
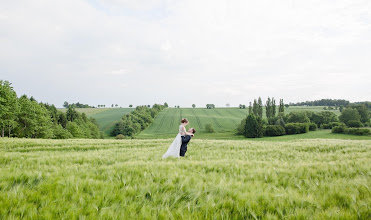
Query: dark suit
x,y
183,148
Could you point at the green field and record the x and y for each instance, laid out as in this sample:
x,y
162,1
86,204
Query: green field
x,y
106,117
218,179
223,120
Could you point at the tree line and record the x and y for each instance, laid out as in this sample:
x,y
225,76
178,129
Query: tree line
x,y
76,105
25,117
323,102
254,126
137,120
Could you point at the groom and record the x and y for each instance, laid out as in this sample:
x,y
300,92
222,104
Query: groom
x,y
185,140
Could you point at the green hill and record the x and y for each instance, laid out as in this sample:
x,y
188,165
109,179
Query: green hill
x,y
106,117
222,119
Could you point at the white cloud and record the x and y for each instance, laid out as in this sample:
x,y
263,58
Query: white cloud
x,y
220,51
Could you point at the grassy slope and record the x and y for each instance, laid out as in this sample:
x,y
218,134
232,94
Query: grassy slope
x,y
106,117
218,179
224,120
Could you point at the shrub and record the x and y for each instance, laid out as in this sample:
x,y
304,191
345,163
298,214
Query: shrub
x,y
120,136
340,129
331,125
359,131
209,128
312,126
274,130
355,124
241,127
296,128
298,117
349,114
254,126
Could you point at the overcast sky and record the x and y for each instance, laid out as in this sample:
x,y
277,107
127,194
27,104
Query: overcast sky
x,y
186,51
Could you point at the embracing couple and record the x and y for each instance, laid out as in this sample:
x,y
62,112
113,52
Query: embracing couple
x,y
179,146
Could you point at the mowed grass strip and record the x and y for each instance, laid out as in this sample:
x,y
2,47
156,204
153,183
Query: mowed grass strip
x,y
127,179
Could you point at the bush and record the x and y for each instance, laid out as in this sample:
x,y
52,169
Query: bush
x,y
355,124
349,114
209,128
312,126
298,117
331,125
359,131
340,129
254,127
241,127
120,136
274,130
296,128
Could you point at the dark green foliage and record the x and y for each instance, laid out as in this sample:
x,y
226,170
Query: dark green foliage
x,y
298,117
340,129
166,105
210,106
253,127
349,114
8,108
77,105
260,108
355,124
362,111
359,131
136,121
61,133
331,125
297,128
38,120
268,108
193,106
241,127
255,108
341,108
323,102
281,107
242,106
274,130
312,126
209,128
250,108
72,114
323,117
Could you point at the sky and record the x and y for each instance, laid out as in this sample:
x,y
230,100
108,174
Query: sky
x,y
186,52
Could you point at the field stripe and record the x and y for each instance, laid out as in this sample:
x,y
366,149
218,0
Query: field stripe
x,y
234,122
172,120
161,123
214,119
198,120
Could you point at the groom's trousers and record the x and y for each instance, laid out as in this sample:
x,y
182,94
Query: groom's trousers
x,y
183,148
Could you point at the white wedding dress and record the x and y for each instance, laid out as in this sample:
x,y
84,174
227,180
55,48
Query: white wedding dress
x,y
174,149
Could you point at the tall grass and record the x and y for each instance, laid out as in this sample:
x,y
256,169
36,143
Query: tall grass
x,y
218,179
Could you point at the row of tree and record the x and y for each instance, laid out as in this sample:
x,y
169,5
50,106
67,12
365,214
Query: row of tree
x,y
297,122
76,105
136,121
323,102
25,117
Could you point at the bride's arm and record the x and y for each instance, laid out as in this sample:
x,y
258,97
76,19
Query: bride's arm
x,y
185,132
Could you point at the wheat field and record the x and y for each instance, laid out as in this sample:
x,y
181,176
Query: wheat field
x,y
218,179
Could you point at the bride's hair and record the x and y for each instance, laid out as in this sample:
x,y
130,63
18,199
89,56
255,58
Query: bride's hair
x,y
184,120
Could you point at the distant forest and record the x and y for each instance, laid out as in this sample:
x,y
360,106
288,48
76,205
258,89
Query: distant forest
x,y
331,102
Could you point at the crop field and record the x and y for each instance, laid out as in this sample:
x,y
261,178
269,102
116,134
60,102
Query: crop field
x,y
222,119
218,179
106,117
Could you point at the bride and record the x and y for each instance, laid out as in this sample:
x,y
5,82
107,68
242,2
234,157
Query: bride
x,y
174,149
